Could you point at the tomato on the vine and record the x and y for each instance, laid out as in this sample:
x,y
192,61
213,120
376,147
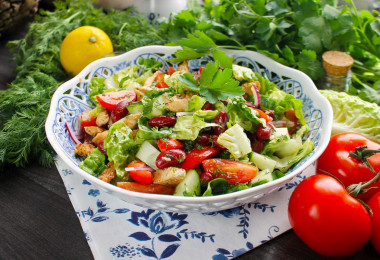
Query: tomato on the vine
x,y
336,160
374,204
327,218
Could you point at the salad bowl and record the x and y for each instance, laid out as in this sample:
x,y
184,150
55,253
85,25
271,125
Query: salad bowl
x,y
71,99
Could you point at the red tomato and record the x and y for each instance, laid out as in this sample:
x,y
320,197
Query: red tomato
x,y
109,100
232,171
168,144
336,160
87,120
327,218
374,204
196,156
143,176
170,71
262,114
146,188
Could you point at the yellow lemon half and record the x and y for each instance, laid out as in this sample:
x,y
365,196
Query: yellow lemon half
x,y
82,46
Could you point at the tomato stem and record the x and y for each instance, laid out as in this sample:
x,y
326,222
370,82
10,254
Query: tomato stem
x,y
362,153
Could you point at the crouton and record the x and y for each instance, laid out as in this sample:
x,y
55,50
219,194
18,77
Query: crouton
x,y
109,173
102,118
132,120
93,130
84,149
99,137
178,103
171,176
248,87
184,66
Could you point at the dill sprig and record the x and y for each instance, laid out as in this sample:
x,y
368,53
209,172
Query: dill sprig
x,y
24,106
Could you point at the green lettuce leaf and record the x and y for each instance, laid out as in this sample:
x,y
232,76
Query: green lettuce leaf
x,y
120,146
95,163
188,127
236,141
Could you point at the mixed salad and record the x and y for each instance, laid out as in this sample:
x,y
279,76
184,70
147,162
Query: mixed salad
x,y
216,130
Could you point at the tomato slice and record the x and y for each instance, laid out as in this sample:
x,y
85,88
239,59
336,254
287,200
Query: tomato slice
x,y
87,120
232,171
168,144
109,100
196,156
170,71
146,188
262,114
142,176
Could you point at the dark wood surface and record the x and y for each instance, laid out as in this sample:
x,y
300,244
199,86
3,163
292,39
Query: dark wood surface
x,y
37,220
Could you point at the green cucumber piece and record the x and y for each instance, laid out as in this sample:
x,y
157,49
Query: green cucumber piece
x,y
190,186
148,154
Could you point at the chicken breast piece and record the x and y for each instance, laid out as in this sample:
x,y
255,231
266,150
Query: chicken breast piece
x,y
178,103
99,137
132,120
171,176
93,130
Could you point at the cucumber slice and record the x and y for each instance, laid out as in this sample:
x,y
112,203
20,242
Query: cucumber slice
x,y
157,108
148,154
135,108
262,162
190,186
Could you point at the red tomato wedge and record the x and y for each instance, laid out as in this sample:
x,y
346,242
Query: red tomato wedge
x,y
262,114
109,100
170,71
157,76
146,188
232,171
141,176
196,156
168,144
87,120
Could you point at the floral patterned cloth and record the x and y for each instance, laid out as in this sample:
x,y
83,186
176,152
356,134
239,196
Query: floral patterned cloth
x,y
116,229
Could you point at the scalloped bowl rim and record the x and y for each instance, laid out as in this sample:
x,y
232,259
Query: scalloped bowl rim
x,y
325,133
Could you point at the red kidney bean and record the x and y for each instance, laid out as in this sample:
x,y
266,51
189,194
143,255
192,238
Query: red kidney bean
x,y
250,104
162,121
170,158
119,111
221,119
257,145
101,147
214,142
206,176
208,106
203,139
263,133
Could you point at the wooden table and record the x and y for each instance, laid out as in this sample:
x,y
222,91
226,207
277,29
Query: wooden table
x,y
37,220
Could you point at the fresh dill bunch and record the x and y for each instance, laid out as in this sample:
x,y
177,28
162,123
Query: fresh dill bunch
x,y
24,106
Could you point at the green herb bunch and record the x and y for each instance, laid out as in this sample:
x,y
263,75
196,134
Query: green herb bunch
x,y
25,104
292,32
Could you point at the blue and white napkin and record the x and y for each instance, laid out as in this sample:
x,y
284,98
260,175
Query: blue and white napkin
x,y
116,229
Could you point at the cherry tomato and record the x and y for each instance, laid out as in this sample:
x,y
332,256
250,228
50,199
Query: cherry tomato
x,y
109,100
336,160
146,188
232,171
168,144
327,218
374,204
196,156
143,176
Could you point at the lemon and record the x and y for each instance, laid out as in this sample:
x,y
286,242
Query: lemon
x,y
82,46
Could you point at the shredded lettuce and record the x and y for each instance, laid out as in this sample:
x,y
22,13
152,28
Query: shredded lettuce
x,y
240,113
196,103
236,141
352,114
241,73
188,127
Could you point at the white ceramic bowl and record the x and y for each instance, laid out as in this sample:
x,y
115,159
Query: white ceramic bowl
x,y
71,98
